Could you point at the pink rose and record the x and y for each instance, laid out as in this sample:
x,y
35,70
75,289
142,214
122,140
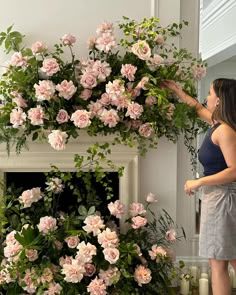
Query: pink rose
x,y
145,130
50,66
45,90
138,222
62,116
17,60
170,235
68,39
38,47
81,118
141,49
72,241
57,139
85,94
88,80
111,255
134,110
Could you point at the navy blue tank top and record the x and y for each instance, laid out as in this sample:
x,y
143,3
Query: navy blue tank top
x,y
210,154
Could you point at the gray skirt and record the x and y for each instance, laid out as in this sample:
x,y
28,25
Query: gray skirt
x,y
218,222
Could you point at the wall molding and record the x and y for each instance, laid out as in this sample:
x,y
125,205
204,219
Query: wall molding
x,y
217,9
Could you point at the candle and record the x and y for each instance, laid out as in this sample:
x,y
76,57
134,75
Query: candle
x,y
204,275
234,280
194,273
184,284
203,286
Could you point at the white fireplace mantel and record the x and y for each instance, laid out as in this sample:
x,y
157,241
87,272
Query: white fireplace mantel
x,y
39,157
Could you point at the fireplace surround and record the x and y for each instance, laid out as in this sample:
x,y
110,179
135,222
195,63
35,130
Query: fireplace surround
x,y
39,156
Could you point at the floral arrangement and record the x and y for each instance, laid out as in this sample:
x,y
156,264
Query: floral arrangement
x,y
116,90
51,247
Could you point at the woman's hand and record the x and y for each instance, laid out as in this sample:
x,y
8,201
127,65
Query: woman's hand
x,y
170,84
191,185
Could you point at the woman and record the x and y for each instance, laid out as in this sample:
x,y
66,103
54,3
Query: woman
x,y
217,154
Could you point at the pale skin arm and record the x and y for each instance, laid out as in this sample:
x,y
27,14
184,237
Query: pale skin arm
x,y
203,112
225,137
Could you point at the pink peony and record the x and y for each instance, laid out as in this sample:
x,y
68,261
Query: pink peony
x,y
134,110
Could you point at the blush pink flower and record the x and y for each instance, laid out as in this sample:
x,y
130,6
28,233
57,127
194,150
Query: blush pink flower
x,y
18,100
141,49
86,94
159,39
142,275
62,116
106,42
116,208
38,47
150,198
138,222
134,110
50,66
17,60
94,224
74,272
88,80
86,252
97,287
111,255
170,235
110,117
128,71
101,70
72,241
146,130
150,100
57,139
108,239
28,197
156,252
136,209
199,72
47,224
45,90
66,89
90,269
31,254
17,117
110,276
36,115
68,39
81,118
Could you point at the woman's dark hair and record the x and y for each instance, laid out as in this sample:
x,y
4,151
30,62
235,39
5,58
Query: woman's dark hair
x,y
225,89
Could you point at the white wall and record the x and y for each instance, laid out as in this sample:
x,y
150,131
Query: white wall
x,y
164,170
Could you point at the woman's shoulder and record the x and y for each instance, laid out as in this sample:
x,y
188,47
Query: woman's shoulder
x,y
223,132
